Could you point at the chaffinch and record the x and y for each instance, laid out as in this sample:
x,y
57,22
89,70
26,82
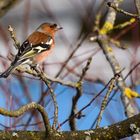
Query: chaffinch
x,y
35,48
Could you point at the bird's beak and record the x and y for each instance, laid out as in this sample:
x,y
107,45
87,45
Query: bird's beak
x,y
59,28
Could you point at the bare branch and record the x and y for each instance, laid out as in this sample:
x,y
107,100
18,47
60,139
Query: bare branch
x,y
42,76
51,79
92,100
24,109
77,97
111,4
13,36
119,130
105,100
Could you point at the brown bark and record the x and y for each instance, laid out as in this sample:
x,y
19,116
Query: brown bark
x,y
119,130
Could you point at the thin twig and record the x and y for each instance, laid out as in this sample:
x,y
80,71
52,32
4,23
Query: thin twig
x,y
41,74
111,4
50,79
114,93
125,24
71,55
132,70
86,106
104,102
13,36
77,97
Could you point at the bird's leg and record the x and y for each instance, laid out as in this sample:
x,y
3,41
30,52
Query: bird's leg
x,y
33,66
36,68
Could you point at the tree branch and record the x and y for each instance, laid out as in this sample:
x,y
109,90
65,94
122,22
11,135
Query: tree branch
x,y
119,130
24,109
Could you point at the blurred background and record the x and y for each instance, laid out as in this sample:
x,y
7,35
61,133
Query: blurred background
x,y
77,19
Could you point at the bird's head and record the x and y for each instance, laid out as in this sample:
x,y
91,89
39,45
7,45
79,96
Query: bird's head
x,y
48,28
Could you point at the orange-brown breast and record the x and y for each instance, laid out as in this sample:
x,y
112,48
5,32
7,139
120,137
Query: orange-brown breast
x,y
37,38
42,56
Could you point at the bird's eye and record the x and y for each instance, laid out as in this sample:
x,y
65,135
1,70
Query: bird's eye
x,y
53,26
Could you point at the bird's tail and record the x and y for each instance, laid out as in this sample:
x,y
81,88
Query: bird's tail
x,y
14,64
7,72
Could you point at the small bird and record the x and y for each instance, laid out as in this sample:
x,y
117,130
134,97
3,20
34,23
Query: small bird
x,y
35,48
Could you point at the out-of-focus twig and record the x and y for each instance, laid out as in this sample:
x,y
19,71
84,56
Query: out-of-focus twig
x,y
111,4
117,43
98,17
6,5
124,24
71,55
137,3
129,107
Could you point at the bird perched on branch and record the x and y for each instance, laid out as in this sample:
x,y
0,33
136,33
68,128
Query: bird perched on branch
x,y
35,48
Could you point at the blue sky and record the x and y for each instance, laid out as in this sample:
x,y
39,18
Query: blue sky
x,y
113,113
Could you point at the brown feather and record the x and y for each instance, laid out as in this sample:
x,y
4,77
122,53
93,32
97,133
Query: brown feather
x,y
37,37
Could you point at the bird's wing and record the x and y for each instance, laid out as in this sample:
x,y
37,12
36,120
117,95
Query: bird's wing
x,y
28,50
